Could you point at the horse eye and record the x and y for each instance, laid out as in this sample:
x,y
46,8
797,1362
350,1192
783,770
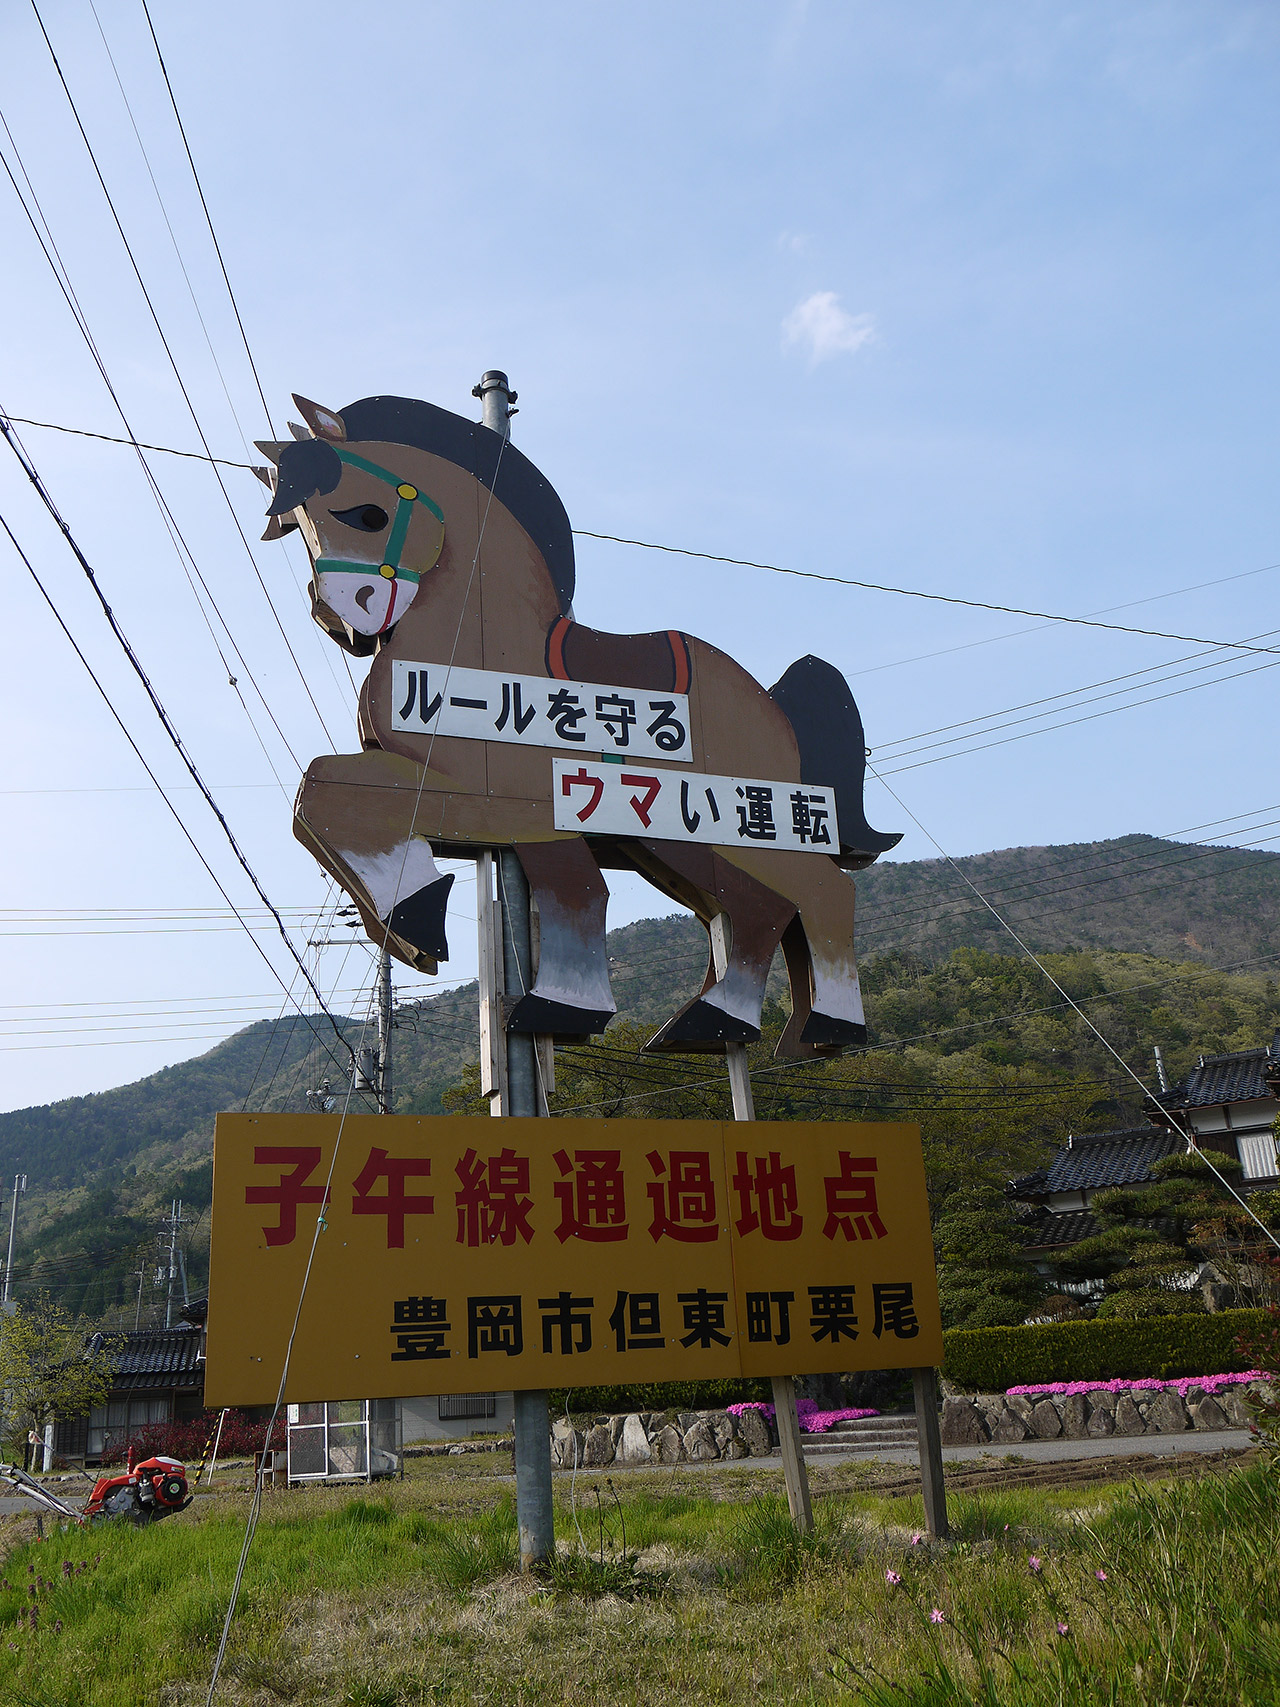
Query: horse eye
x,y
369,518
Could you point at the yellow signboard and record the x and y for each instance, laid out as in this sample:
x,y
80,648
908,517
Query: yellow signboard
x,y
463,1255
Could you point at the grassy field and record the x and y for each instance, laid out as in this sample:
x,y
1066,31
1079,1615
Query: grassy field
x,y
679,1587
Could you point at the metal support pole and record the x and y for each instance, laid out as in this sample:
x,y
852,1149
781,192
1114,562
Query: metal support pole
x,y
785,1414
496,398
493,1046
384,1032
510,1077
534,1513
517,978
925,1382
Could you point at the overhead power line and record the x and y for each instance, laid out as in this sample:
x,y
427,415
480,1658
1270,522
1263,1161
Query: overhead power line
x,y
186,558
1052,617
1092,717
217,247
177,374
326,651
131,444
919,593
166,723
600,1058
1040,627
1186,1130
969,724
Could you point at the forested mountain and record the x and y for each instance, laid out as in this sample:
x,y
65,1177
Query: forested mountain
x,y
966,1035
1138,894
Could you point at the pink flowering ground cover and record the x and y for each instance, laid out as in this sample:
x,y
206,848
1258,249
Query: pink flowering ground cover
x,y
812,1420
1209,1383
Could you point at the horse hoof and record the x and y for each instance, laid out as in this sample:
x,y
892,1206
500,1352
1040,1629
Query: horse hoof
x,y
419,918
701,1028
825,1031
818,1036
537,1014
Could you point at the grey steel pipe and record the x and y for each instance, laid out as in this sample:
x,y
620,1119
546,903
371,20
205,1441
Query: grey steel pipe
x,y
534,1513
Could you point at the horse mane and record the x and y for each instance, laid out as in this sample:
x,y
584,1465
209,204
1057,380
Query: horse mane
x,y
308,466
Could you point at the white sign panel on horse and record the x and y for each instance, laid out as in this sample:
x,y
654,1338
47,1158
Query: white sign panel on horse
x,y
535,711
682,806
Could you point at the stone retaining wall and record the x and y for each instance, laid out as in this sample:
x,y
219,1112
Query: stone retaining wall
x,y
1005,1420
659,1437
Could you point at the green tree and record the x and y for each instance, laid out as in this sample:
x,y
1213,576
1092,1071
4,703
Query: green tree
x,y
1152,1235
983,1281
48,1369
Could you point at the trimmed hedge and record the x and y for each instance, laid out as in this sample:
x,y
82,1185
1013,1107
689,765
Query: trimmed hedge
x,y
661,1396
990,1360
241,1435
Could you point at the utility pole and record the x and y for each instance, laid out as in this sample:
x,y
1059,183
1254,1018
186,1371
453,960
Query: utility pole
x,y
19,1185
323,1100
174,1221
509,1065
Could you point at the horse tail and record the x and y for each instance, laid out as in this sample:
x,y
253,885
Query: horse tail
x,y
828,728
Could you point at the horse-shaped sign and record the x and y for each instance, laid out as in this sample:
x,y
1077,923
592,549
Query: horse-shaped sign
x,y
441,550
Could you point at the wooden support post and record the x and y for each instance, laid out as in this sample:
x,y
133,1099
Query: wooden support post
x,y
793,1464
784,1388
935,1492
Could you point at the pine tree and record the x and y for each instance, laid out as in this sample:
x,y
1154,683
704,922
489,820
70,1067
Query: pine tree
x,y
1152,1237
983,1281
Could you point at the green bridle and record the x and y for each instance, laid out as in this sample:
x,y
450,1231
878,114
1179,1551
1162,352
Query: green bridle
x,y
407,495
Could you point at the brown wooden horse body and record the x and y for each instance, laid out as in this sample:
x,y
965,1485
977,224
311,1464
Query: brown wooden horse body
x,y
493,591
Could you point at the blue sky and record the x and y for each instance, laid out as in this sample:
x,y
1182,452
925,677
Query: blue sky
x,y
971,298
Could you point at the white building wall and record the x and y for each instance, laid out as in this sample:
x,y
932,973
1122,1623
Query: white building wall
x,y
421,1421
1249,1124
1062,1202
1257,1155
1207,1120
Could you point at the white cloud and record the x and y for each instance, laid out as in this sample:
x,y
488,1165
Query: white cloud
x,y
823,329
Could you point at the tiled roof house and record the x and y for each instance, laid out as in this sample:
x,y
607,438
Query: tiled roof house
x,y
1230,1103
159,1377
1053,1203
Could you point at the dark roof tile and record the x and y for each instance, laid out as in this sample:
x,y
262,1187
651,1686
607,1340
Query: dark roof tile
x,y
159,1357
1217,1079
1095,1159
1051,1232
1027,1185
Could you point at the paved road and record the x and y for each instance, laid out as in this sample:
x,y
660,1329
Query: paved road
x,y
1050,1451
19,1503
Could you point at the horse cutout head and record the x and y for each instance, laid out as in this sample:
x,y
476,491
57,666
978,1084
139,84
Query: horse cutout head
x,y
373,527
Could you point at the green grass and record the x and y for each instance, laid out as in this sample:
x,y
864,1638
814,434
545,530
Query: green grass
x,y
1168,1597
685,1588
